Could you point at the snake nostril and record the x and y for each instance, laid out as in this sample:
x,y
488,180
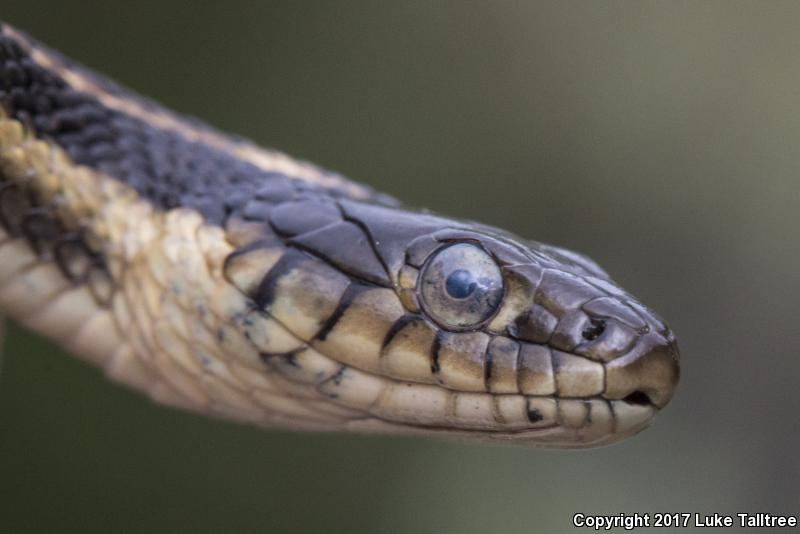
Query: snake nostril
x,y
594,330
639,398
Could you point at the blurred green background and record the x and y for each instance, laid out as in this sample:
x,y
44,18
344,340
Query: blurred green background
x,y
660,138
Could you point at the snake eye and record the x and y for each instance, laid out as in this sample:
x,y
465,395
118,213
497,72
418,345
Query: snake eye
x,y
461,286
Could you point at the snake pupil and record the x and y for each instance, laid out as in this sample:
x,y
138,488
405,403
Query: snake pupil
x,y
460,284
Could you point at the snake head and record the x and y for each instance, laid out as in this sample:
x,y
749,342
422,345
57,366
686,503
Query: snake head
x,y
592,364
423,324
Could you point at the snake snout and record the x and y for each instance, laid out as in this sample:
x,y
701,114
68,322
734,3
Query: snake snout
x,y
647,375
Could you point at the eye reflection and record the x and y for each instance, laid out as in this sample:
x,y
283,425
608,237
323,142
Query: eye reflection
x,y
461,286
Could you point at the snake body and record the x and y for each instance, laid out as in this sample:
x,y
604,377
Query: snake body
x,y
232,280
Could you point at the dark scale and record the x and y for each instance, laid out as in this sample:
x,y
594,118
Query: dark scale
x,y
171,170
41,101
161,165
534,415
23,215
14,204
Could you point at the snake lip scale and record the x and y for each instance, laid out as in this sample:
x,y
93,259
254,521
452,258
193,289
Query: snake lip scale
x,y
220,277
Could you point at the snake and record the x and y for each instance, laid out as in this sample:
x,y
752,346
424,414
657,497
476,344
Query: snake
x,y
234,281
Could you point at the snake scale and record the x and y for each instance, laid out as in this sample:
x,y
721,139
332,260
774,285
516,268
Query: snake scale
x,y
220,277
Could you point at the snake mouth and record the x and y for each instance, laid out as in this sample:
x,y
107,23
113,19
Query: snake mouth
x,y
638,398
531,394
621,420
